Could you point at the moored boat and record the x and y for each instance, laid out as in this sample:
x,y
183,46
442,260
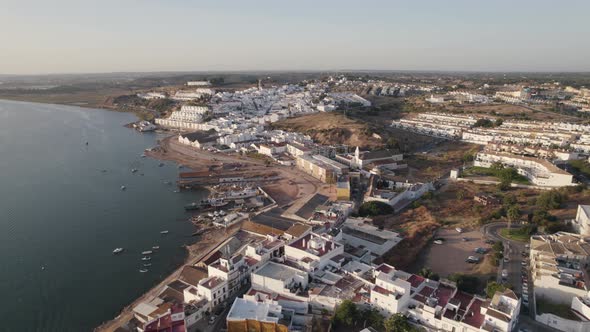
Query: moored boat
x,y
146,258
156,247
147,252
164,232
118,250
143,270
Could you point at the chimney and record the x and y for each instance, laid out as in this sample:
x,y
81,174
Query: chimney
x,y
304,243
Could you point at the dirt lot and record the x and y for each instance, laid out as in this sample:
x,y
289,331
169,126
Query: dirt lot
x,y
449,257
332,128
436,160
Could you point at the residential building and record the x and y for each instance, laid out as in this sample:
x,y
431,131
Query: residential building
x,y
582,221
558,265
539,171
246,315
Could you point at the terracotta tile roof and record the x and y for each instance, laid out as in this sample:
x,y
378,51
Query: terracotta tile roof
x,y
415,280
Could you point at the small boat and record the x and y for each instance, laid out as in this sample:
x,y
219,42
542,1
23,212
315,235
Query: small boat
x,y
146,258
161,165
192,206
164,232
134,170
86,143
142,155
167,182
176,191
147,264
42,267
123,187
221,213
103,170
147,252
143,270
118,250
156,247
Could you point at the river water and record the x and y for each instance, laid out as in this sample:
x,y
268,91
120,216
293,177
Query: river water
x,y
62,212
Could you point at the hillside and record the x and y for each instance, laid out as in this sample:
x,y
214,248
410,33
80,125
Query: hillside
x,y
332,128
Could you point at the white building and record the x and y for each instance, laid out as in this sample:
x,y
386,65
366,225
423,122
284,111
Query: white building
x,y
582,221
558,266
280,278
198,83
540,172
313,252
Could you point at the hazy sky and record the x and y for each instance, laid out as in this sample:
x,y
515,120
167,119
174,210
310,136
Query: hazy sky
x,y
62,36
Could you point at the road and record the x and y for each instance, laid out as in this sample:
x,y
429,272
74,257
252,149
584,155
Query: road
x,y
513,250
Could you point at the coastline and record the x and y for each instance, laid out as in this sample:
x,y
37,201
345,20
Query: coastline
x,y
292,186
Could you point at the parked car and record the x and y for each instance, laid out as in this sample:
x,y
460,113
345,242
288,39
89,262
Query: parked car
x,y
481,250
212,319
459,230
465,239
504,273
472,259
439,240
506,259
525,302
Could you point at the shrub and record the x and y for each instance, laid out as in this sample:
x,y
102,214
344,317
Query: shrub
x,y
374,208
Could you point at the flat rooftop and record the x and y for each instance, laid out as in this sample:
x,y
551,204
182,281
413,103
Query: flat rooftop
x,y
279,271
262,312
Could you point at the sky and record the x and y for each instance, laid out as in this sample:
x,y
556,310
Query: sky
x,y
83,36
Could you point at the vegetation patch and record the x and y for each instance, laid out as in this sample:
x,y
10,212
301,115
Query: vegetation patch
x,y
502,173
374,208
522,234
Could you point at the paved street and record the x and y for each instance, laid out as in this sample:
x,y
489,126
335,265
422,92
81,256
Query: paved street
x,y
513,250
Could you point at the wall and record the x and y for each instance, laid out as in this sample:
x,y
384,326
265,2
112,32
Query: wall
x,y
563,324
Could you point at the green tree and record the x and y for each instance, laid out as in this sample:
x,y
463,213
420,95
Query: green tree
x,y
492,287
504,185
427,273
460,194
550,200
513,213
346,313
466,283
374,208
398,323
486,123
373,318
509,199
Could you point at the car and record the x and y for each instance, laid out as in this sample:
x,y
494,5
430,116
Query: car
x,y
439,240
490,241
212,319
472,259
523,330
481,250
504,273
523,263
459,230
465,239
506,259
525,302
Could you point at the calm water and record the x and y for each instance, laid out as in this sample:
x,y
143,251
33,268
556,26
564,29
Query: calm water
x,y
59,210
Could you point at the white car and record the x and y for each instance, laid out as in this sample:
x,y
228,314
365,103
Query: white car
x,y
504,273
459,230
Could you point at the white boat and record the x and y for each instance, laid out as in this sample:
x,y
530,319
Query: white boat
x,y
147,252
210,215
164,232
156,247
118,250
147,264
146,258
142,155
143,270
221,213
134,170
123,187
